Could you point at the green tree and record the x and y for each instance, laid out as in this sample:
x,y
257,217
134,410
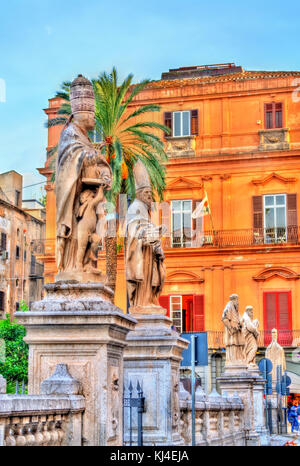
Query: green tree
x,y
14,367
126,140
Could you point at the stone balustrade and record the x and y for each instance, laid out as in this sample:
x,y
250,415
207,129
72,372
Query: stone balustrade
x,y
219,420
41,420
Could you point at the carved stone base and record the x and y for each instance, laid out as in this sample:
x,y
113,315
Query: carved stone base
x,y
68,296
77,325
152,357
77,276
147,310
249,386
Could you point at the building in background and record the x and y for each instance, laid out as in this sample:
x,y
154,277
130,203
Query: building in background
x,y
21,230
235,135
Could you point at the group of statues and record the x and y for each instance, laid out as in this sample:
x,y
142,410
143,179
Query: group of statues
x,y
240,333
241,338
82,177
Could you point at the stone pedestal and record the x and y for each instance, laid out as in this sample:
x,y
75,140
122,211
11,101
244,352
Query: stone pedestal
x,y
259,406
76,324
152,357
249,386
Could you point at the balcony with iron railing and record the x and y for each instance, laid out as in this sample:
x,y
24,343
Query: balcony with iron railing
x,y
286,338
36,270
232,238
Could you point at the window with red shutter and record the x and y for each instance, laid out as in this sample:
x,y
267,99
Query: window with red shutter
x,y
273,115
277,314
164,301
198,311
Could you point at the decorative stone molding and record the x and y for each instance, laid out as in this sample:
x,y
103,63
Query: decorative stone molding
x,y
274,139
183,277
61,383
272,176
180,146
225,177
183,183
273,272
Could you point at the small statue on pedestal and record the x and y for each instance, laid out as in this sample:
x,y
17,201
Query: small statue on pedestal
x,y
251,334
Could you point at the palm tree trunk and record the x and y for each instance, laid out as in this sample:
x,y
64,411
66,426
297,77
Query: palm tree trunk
x,y
111,260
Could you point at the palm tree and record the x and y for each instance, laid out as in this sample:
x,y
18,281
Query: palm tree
x,y
127,140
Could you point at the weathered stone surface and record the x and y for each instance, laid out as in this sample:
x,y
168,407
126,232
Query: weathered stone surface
x,y
219,420
91,343
152,357
41,420
249,387
61,383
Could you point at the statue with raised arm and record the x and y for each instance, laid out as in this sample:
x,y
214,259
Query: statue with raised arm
x,y
251,334
145,272
82,176
233,336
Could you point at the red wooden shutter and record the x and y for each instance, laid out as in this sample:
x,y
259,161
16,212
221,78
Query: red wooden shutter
x,y
168,122
283,311
164,301
278,115
194,122
268,116
257,203
270,311
198,305
292,221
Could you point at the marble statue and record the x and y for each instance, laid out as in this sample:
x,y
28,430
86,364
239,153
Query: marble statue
x,y
275,353
234,339
145,272
82,176
251,334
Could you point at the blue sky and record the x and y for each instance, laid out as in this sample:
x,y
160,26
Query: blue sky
x,y
45,42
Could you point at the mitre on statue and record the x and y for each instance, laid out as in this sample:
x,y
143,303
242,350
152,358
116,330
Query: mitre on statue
x,y
82,97
141,177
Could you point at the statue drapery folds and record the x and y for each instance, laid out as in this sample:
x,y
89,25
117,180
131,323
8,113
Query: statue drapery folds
x,y
82,175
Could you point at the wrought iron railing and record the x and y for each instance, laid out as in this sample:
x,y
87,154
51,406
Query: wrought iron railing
x,y
286,338
36,270
242,237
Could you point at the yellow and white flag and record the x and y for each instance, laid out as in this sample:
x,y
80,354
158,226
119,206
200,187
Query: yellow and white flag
x,y
202,208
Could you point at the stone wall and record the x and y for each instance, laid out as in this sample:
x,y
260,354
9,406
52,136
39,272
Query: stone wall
x,y
219,419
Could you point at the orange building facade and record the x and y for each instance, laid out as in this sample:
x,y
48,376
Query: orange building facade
x,y
235,135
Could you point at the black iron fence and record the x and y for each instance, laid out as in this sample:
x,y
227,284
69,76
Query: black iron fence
x,y
129,404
